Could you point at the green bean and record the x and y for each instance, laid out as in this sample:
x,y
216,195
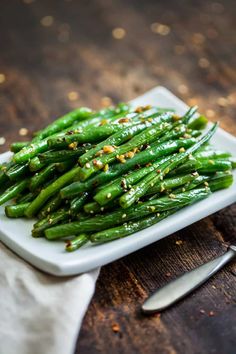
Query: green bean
x,y
84,136
101,222
145,137
95,208
141,158
49,191
203,166
198,123
212,154
121,185
129,228
151,179
40,146
63,122
13,191
17,172
35,164
61,155
18,145
123,135
51,220
78,202
16,211
52,205
172,183
65,165
41,177
76,243
220,182
189,114
25,198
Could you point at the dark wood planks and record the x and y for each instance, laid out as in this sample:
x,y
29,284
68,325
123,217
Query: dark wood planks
x,y
196,61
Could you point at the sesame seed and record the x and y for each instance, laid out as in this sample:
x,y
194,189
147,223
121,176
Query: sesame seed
x,y
183,89
23,131
203,63
2,140
222,101
210,113
160,28
179,49
47,21
198,38
152,208
2,78
118,33
73,145
106,101
108,195
182,149
124,216
91,212
172,196
206,184
73,96
158,214
178,242
102,209
87,165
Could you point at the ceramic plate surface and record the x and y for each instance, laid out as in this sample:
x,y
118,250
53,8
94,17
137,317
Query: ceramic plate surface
x,y
51,257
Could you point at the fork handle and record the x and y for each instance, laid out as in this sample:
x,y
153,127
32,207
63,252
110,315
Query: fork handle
x,y
183,285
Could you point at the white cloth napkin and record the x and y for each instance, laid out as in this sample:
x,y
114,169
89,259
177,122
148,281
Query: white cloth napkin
x,y
40,313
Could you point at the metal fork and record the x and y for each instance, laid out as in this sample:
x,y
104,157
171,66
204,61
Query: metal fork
x,y
186,283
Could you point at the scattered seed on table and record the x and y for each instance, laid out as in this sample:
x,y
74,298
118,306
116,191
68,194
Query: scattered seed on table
x,y
23,131
47,21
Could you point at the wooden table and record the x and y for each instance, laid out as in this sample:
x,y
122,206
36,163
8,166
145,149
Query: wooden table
x,y
56,55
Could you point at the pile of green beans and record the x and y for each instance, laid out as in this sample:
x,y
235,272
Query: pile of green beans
x,y
97,176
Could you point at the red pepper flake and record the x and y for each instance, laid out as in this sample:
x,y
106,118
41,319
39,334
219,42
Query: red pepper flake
x,y
158,171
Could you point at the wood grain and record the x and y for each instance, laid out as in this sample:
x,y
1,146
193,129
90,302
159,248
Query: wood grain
x,y
196,61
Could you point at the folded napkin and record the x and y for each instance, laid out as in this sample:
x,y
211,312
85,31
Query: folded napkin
x,y
40,313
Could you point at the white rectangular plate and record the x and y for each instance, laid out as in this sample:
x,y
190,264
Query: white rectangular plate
x,y
51,257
